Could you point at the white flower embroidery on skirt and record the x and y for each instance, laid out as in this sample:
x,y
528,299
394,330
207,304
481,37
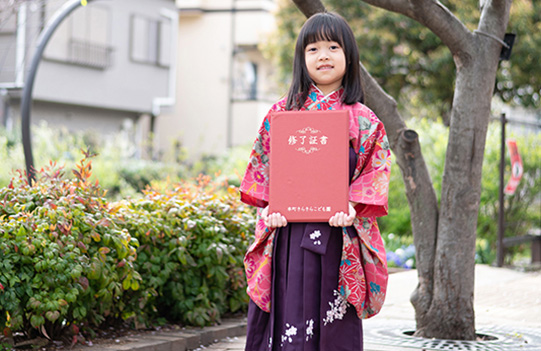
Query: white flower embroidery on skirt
x,y
290,331
314,236
309,329
338,309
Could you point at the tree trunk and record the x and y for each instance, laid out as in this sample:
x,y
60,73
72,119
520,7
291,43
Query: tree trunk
x,y
420,192
452,301
444,239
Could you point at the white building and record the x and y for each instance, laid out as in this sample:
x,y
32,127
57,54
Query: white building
x,y
105,68
224,84
190,72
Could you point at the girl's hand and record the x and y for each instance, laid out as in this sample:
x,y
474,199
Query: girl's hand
x,y
273,220
340,219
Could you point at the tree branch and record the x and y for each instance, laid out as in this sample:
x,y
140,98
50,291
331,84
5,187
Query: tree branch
x,y
495,17
309,7
420,192
436,17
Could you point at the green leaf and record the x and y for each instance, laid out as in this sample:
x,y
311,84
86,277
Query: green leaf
x,y
52,315
126,284
37,321
22,231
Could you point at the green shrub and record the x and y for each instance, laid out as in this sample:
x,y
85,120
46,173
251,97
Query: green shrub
x,y
71,259
64,260
118,169
228,166
193,237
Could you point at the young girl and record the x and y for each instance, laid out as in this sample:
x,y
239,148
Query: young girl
x,y
311,283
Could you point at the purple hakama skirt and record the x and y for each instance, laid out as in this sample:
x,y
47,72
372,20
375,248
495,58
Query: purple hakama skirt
x,y
307,312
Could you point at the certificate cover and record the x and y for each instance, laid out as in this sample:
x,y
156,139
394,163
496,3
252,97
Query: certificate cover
x,y
309,163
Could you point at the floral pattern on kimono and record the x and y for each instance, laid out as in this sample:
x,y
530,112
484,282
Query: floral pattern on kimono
x,y
363,270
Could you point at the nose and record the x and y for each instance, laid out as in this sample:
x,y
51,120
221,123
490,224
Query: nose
x,y
323,55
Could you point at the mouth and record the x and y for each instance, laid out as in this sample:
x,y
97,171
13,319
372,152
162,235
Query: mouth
x,y
325,67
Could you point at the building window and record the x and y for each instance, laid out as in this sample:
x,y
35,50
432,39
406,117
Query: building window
x,y
89,42
84,39
149,41
245,80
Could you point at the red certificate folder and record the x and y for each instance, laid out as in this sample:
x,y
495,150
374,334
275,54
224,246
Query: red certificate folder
x,y
309,163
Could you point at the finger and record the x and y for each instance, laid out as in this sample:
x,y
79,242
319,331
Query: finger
x,y
336,220
343,220
265,214
333,221
283,221
276,220
270,220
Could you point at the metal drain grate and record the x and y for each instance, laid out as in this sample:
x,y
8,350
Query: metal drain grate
x,y
392,333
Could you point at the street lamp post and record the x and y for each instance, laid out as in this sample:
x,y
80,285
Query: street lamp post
x,y
26,100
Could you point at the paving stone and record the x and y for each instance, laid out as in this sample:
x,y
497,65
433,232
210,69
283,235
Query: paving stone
x,y
521,310
175,342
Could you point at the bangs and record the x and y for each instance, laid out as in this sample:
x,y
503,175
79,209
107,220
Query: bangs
x,y
322,28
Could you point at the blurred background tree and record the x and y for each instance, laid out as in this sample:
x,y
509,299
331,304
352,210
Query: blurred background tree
x,y
411,63
414,67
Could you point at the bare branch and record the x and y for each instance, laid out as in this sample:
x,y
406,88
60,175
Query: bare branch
x,y
495,17
436,17
309,7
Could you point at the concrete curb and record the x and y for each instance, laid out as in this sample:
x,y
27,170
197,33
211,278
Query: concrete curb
x,y
181,340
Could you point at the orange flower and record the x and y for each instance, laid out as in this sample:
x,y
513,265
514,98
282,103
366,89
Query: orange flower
x,y
382,160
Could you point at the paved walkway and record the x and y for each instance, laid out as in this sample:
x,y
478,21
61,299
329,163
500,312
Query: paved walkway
x,y
507,307
506,302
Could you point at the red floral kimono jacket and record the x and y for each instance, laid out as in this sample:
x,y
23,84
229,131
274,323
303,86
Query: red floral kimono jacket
x,y
363,270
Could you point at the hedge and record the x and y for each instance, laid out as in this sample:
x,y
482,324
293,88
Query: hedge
x,y
69,259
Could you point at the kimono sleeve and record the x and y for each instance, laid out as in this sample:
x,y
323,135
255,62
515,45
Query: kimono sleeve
x,y
370,184
254,188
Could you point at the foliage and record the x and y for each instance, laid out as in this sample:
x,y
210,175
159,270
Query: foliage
x,y
517,81
71,259
410,62
118,168
398,220
433,140
400,251
193,238
227,166
484,253
64,260
522,209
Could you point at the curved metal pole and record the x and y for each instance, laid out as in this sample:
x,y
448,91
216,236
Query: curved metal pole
x,y
26,100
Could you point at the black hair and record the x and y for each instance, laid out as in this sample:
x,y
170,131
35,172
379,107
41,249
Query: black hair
x,y
330,27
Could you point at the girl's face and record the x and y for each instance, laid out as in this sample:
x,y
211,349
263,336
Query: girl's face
x,y
326,64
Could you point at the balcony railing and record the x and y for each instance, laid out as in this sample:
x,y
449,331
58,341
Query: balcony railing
x,y
88,54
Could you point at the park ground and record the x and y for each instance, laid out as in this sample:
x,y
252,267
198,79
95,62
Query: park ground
x,y
507,309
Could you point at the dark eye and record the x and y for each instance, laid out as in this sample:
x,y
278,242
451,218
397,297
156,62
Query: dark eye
x,y
335,47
